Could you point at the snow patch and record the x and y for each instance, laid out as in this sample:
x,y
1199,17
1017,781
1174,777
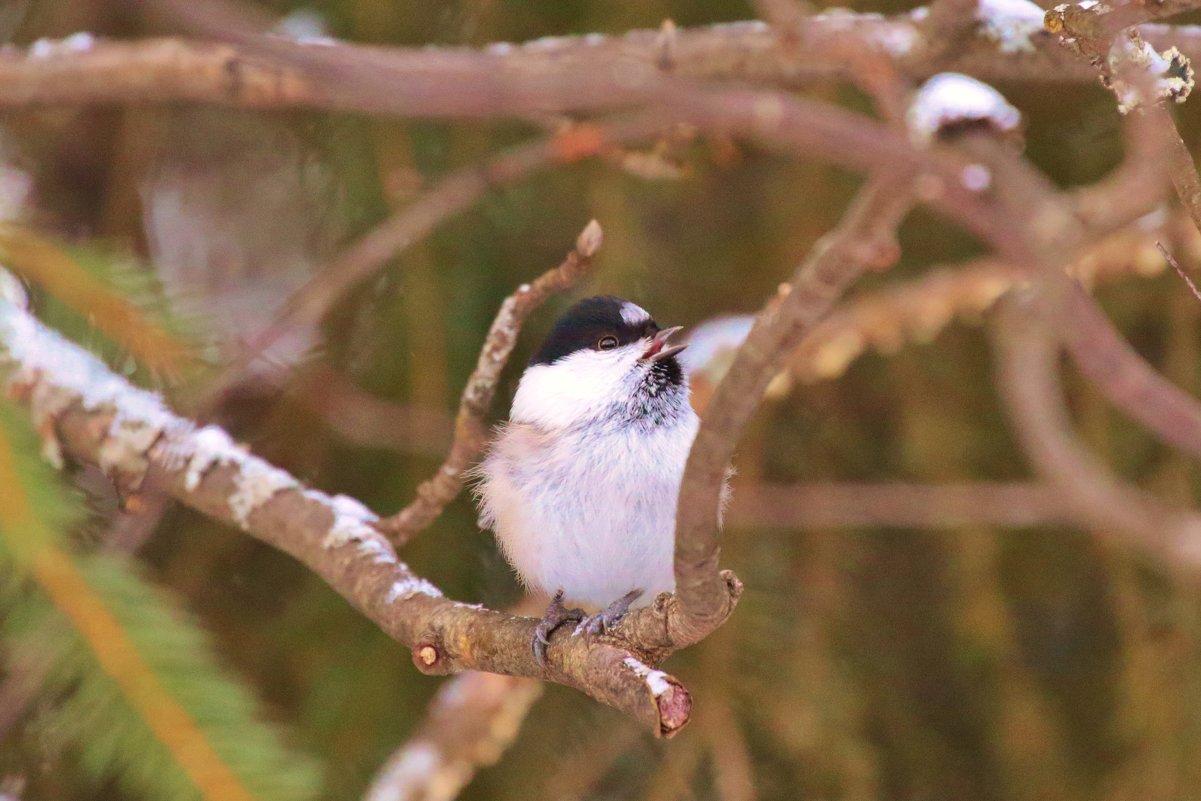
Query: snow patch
x,y
950,99
1164,76
78,377
208,447
352,522
12,291
410,774
256,483
1010,23
79,42
656,680
407,587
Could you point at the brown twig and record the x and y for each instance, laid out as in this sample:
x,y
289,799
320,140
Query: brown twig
x,y
919,309
1136,185
1095,24
897,504
1026,373
470,429
1127,379
1171,260
1098,349
1181,166
468,724
365,420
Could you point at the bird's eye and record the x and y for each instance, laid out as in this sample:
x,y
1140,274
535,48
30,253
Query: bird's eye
x,y
607,343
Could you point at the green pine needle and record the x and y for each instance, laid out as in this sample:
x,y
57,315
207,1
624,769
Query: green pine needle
x,y
87,709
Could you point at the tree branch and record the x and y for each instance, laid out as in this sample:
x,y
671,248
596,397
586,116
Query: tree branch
x,y
471,721
897,504
1130,383
864,239
917,310
1026,371
171,70
168,70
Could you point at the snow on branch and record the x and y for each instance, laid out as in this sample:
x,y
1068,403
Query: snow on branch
x,y
949,102
1140,74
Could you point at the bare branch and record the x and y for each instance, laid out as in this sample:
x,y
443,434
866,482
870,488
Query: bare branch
x,y
1171,260
1181,166
1098,23
897,504
1135,186
471,433
1127,380
171,70
919,309
1026,373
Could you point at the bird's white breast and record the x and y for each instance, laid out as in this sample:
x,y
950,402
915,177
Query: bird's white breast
x,y
589,510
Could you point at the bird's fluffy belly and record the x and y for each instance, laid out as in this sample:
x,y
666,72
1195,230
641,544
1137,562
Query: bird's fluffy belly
x,y
594,527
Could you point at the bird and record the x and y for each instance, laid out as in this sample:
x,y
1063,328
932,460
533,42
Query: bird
x,y
580,485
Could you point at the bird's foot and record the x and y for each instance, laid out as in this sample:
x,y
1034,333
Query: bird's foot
x,y
556,615
606,620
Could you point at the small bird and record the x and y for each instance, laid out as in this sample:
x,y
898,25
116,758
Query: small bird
x,y
581,485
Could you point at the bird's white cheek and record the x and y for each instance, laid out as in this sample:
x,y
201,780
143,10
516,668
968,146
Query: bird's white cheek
x,y
574,388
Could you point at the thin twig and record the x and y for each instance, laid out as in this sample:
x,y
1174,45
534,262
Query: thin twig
x,y
1171,260
1125,377
1096,498
897,504
470,430
919,309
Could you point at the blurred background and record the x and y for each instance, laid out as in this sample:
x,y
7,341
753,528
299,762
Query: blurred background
x,y
965,662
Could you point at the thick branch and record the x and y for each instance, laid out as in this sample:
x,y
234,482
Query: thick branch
x,y
168,70
863,240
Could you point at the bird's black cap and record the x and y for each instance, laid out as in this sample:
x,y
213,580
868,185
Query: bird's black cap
x,y
585,324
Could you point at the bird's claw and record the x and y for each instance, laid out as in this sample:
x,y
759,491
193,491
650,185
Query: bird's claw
x,y
607,619
556,615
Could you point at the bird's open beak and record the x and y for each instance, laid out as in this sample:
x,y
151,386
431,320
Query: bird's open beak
x,y
659,349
